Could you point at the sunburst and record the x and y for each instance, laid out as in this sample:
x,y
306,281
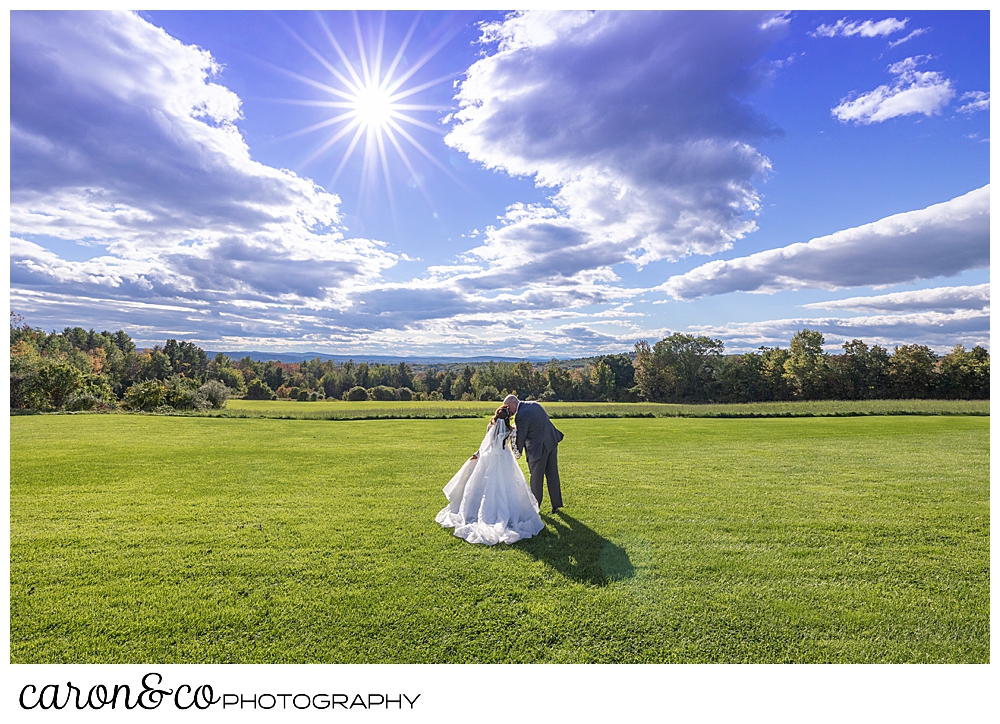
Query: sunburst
x,y
370,105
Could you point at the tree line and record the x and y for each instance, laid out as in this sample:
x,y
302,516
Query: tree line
x,y
689,369
78,369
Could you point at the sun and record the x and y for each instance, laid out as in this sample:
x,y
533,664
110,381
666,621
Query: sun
x,y
373,107
370,105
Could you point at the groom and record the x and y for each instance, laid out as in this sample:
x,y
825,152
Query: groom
x,y
537,433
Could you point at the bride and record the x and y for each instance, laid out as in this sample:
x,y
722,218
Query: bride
x,y
489,500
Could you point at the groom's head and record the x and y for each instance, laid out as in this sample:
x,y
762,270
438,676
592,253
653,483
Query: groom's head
x,y
510,402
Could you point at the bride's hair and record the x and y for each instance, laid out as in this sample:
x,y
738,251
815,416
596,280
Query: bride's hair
x,y
502,413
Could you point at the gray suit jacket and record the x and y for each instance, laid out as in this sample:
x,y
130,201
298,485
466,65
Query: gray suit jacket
x,y
535,430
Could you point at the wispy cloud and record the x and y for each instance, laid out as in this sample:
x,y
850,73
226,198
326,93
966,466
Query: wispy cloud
x,y
976,101
866,28
915,33
914,92
938,299
941,240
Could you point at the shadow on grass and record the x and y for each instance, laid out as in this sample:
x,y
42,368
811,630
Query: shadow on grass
x,y
578,552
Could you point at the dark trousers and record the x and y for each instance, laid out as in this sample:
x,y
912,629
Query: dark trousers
x,y
546,466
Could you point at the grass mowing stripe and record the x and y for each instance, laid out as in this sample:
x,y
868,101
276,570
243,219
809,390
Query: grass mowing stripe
x,y
336,410
561,410
165,539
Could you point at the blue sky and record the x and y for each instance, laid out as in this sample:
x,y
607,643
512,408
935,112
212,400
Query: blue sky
x,y
549,183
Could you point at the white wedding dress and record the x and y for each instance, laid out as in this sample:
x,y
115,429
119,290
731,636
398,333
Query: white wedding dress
x,y
489,500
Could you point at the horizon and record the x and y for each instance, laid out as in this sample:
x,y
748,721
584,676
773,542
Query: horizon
x,y
525,185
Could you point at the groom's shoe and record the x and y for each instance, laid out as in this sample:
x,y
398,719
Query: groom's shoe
x,y
557,509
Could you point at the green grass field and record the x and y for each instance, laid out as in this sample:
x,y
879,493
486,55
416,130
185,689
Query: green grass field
x,y
142,539
338,410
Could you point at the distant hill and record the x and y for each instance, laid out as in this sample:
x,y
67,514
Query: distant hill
x,y
370,358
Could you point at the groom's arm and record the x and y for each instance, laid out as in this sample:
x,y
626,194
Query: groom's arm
x,y
522,433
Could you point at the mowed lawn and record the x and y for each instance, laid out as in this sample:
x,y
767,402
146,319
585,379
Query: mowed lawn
x,y
142,539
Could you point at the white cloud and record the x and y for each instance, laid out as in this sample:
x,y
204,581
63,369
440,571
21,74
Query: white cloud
x,y
866,29
914,34
519,31
939,299
28,258
976,101
634,119
119,135
941,240
914,91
